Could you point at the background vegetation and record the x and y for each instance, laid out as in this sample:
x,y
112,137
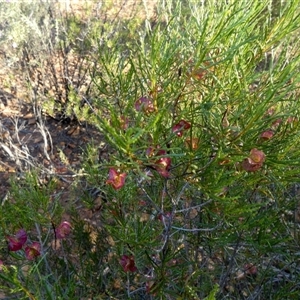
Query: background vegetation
x,y
193,192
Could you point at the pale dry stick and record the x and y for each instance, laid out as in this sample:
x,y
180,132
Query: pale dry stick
x,y
19,156
222,281
44,131
162,207
5,198
149,198
42,247
167,225
175,202
138,290
148,25
89,104
25,150
128,285
166,235
4,164
147,176
24,147
197,229
7,150
193,207
78,93
184,237
18,129
174,211
166,239
23,155
10,153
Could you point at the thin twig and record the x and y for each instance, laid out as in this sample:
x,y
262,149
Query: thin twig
x,y
180,193
196,229
225,275
42,247
193,207
150,199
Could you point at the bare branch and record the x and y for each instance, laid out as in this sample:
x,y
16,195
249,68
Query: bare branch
x,y
197,229
193,207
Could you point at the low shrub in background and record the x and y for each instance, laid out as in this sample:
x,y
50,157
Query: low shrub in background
x,y
197,193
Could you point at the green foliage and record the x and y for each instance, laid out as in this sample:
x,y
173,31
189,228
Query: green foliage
x,y
31,202
192,220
